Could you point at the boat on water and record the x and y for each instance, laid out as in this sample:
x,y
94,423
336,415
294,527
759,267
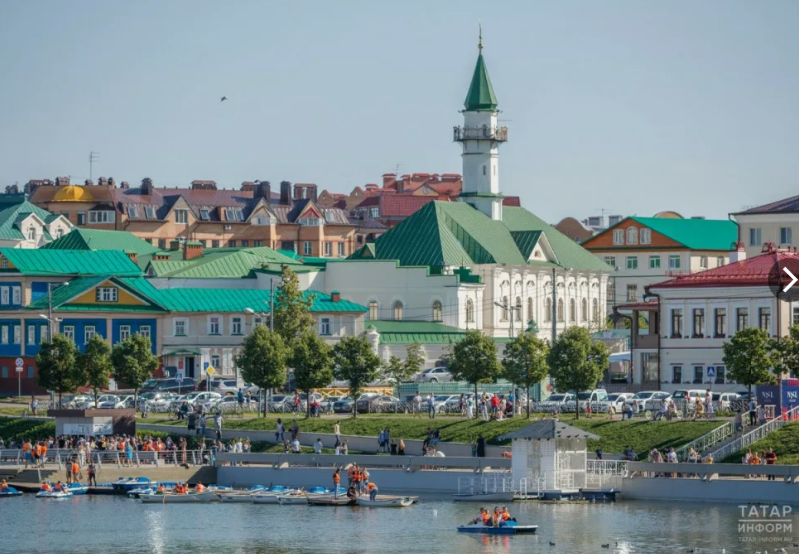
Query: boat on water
x,y
174,498
124,484
505,528
77,488
386,501
293,499
10,491
484,497
54,494
243,496
330,500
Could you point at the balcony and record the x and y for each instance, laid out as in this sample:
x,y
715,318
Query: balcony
x,y
678,272
497,134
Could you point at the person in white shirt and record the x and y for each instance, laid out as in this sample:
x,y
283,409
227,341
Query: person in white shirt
x,y
317,448
295,446
417,406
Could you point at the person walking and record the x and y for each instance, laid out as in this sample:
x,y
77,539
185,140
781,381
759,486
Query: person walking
x,y
417,405
218,425
752,413
481,446
431,407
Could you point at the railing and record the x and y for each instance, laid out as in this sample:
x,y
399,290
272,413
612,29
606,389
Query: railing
x,y
756,434
606,467
118,458
498,134
484,485
710,472
409,463
717,435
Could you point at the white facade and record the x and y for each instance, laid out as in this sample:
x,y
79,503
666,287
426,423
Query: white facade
x,y
33,229
755,230
481,162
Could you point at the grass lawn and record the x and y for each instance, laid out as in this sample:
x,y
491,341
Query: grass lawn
x,y
784,441
10,410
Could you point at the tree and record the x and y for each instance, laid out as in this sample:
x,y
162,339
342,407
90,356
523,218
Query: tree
x,y
134,362
56,363
525,362
748,358
355,362
292,308
312,360
785,352
95,365
263,358
402,370
576,362
474,359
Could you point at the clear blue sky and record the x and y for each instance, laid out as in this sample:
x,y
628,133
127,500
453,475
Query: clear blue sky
x,y
632,106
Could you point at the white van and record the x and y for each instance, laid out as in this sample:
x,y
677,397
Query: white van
x,y
690,396
597,399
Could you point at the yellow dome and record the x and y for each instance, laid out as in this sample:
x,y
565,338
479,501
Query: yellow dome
x,y
73,193
669,215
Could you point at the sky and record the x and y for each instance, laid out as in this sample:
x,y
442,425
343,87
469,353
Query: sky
x,y
621,106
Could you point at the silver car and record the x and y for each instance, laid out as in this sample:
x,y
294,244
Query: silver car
x,y
433,375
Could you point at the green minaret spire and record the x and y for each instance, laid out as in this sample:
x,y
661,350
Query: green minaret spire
x,y
480,97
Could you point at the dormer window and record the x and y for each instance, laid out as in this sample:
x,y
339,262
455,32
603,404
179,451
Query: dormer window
x,y
149,212
32,234
646,236
262,220
205,215
107,294
310,221
632,235
233,214
133,211
59,233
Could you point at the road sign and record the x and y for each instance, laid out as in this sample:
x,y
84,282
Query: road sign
x,y
20,362
209,369
711,371
179,376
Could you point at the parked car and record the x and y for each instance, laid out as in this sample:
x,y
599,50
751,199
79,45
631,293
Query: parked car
x,y
222,386
556,402
724,400
597,399
344,406
641,397
446,403
195,398
117,403
433,375
78,401
618,399
169,384
157,401
382,404
653,402
690,396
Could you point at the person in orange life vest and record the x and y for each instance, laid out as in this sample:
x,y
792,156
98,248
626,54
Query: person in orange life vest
x,y
372,488
336,482
497,517
160,489
505,514
46,486
199,487
75,471
59,486
486,517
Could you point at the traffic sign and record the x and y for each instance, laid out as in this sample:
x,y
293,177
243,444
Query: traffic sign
x,y
20,362
711,371
209,369
179,376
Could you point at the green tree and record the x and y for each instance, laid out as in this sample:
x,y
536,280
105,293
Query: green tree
x,y
525,362
785,352
355,362
95,365
748,356
576,362
402,370
292,308
134,362
56,363
263,358
474,359
312,360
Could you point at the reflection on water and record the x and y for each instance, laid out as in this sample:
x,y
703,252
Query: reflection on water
x,y
118,525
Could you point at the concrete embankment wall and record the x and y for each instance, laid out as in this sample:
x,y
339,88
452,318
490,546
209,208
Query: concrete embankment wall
x,y
741,491
397,480
355,442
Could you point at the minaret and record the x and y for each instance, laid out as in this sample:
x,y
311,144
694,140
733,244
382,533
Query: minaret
x,y
481,137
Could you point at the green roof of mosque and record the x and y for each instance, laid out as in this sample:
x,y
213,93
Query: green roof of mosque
x,y
40,261
221,263
455,234
481,94
12,215
96,239
423,332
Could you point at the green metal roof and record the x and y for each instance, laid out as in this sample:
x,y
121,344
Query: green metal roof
x,y
95,239
78,286
69,262
696,234
11,216
481,94
221,264
454,234
408,332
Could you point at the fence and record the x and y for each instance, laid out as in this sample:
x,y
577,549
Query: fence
x,y
710,472
756,434
16,457
714,437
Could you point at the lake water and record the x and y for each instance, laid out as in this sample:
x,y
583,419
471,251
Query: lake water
x,y
103,524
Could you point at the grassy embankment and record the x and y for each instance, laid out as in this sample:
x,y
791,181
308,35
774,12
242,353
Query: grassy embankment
x,y
784,441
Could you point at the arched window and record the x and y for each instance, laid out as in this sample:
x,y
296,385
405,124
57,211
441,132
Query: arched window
x,y
519,308
560,309
374,310
583,310
438,312
632,235
595,309
32,233
548,310
505,308
469,310
530,314
59,233
398,310
572,310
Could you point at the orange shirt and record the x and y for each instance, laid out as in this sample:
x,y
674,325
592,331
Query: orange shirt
x,y
26,447
371,486
75,468
44,449
336,478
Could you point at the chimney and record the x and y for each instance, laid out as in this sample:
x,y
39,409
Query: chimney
x,y
101,181
88,182
310,192
161,257
400,185
134,257
737,252
247,186
335,296
192,250
146,186
124,185
264,190
389,179
298,192
62,181
174,244
198,184
111,182
285,192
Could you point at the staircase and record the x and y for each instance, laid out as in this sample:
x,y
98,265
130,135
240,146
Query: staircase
x,y
33,475
756,434
719,435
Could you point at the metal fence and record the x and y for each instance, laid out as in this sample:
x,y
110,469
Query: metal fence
x,y
756,434
117,458
703,443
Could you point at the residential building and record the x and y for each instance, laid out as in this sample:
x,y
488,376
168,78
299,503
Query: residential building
x,y
23,225
769,224
251,216
647,250
574,229
414,184
692,316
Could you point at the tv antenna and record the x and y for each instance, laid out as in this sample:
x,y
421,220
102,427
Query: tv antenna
x,y
93,157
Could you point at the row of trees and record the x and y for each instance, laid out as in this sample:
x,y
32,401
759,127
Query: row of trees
x,y
63,368
753,358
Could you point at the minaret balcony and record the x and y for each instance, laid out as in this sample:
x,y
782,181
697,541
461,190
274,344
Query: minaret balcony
x,y
496,134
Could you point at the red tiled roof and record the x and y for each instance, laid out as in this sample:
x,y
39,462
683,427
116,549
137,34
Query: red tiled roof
x,y
512,201
752,272
402,205
373,200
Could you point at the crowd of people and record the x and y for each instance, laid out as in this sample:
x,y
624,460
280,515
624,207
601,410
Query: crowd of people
x,y
488,406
